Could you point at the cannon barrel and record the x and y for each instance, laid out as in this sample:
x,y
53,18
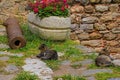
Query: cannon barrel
x,y
16,39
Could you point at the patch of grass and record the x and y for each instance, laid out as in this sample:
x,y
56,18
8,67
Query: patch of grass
x,y
92,66
69,77
3,39
26,76
18,61
53,64
33,42
2,64
105,76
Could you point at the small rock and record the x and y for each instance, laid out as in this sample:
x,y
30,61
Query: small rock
x,y
114,79
73,36
86,26
4,46
106,18
74,27
116,62
95,35
112,25
94,1
114,7
100,27
83,36
84,2
60,54
89,20
101,8
77,8
116,30
110,36
112,43
92,43
7,77
11,68
89,9
4,58
95,71
106,1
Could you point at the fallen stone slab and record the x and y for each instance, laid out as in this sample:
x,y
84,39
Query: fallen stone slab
x,y
95,71
4,58
7,77
39,68
11,68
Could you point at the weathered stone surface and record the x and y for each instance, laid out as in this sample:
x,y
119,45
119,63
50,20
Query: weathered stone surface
x,y
106,18
115,56
86,27
91,78
77,8
116,30
50,22
84,62
110,36
92,43
104,32
112,25
101,8
95,35
74,27
73,36
11,68
39,68
100,26
116,1
85,50
89,20
114,7
114,50
83,36
94,1
89,9
7,77
60,54
94,71
84,2
4,58
106,1
116,62
112,43
46,29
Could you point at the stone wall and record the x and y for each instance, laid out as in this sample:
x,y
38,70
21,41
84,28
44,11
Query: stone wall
x,y
12,8
96,23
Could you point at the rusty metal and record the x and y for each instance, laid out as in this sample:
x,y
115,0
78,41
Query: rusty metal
x,y
16,39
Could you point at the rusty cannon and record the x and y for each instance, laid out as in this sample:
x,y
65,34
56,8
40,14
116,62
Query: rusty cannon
x,y
15,38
